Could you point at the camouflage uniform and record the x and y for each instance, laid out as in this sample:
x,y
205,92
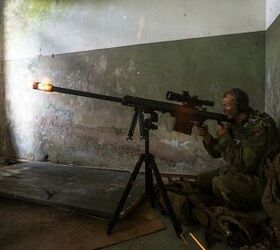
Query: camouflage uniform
x,y
241,182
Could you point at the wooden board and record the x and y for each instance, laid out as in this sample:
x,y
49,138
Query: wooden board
x,y
83,189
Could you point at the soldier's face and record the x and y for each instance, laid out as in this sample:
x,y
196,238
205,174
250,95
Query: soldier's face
x,y
230,107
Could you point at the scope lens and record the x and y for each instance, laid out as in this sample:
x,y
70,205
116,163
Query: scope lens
x,y
168,95
172,96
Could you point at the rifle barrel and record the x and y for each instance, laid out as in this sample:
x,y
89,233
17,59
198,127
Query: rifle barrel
x,y
86,94
147,104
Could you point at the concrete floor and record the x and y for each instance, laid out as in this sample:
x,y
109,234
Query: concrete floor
x,y
167,240
28,226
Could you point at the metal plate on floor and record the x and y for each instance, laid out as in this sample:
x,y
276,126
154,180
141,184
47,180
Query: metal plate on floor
x,y
88,190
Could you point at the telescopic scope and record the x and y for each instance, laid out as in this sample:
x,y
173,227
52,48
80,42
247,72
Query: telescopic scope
x,y
185,98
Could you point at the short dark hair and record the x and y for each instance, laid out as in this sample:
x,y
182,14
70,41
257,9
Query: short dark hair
x,y
242,98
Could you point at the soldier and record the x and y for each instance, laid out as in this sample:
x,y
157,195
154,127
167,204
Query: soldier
x,y
243,145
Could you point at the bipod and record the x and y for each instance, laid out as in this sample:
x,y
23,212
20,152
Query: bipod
x,y
151,171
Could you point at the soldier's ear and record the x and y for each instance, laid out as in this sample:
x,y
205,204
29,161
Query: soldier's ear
x,y
242,100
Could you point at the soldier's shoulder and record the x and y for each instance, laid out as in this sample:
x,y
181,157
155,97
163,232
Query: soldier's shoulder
x,y
255,124
261,122
257,118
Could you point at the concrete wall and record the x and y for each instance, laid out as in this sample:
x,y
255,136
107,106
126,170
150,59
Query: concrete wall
x,y
79,130
85,131
1,46
2,79
273,70
272,11
45,27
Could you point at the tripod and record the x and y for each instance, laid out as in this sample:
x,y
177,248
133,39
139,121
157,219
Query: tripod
x,y
151,169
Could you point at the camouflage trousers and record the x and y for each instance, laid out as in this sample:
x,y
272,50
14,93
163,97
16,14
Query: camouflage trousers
x,y
235,189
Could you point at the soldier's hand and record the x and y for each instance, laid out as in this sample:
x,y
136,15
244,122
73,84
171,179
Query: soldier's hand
x,y
221,130
204,132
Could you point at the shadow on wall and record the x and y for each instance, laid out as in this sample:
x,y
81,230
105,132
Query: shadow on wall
x,y
6,144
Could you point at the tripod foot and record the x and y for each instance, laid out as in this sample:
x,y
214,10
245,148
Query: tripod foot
x,y
184,239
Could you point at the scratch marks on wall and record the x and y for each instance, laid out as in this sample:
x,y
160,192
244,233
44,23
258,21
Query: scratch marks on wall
x,y
101,64
132,67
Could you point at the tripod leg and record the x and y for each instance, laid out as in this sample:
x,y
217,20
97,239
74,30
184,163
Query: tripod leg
x,y
149,183
125,194
177,226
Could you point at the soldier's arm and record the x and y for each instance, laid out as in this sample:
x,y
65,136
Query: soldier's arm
x,y
212,147
209,142
245,154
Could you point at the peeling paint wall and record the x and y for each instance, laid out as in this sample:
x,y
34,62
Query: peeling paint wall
x,y
273,70
77,130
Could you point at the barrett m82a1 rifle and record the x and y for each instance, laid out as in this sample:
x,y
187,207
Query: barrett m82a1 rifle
x,y
188,114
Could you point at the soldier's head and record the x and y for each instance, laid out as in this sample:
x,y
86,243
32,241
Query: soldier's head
x,y
235,102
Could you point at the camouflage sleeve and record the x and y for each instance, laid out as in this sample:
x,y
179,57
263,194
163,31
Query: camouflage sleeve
x,y
212,148
245,154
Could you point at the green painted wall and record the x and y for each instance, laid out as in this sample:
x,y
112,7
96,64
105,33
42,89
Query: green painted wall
x,y
273,70
85,131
